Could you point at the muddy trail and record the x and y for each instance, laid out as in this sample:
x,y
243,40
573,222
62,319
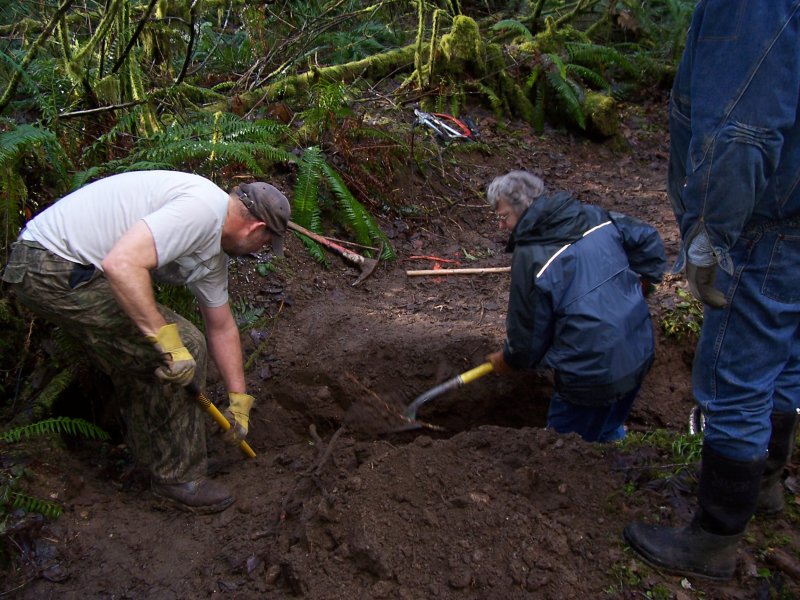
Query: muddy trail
x,y
340,502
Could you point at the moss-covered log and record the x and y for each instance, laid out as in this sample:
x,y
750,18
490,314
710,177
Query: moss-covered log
x,y
370,68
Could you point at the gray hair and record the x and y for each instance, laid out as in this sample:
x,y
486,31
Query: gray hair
x,y
518,189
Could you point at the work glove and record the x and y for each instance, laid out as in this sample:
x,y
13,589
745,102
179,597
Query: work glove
x,y
499,364
701,272
701,284
179,364
238,414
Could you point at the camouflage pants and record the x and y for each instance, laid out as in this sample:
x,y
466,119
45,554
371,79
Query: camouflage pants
x,y
165,427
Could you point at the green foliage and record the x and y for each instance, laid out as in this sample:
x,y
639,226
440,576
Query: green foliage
x,y
662,25
246,313
678,452
10,477
15,500
55,425
207,143
313,172
511,29
28,149
684,319
566,90
179,299
687,449
328,106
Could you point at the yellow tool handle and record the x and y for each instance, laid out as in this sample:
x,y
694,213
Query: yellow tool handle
x,y
222,422
477,372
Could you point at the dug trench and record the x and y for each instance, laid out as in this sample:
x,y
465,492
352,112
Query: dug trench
x,y
338,504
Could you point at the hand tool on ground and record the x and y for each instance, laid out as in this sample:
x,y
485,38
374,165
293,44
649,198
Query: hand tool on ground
x,y
216,415
445,127
450,384
365,265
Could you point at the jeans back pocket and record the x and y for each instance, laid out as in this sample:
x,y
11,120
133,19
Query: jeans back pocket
x,y
780,281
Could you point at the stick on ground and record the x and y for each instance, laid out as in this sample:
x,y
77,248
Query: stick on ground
x,y
460,271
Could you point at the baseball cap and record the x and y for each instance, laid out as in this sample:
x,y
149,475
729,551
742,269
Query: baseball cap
x,y
266,203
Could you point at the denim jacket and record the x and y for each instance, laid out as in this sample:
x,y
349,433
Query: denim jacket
x,y
734,123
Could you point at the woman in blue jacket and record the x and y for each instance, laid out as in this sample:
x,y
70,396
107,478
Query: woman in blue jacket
x,y
576,304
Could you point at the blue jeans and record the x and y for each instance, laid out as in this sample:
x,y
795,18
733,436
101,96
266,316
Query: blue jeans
x,y
747,363
593,423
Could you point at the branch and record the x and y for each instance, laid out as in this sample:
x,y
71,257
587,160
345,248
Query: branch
x,y
135,36
190,45
100,109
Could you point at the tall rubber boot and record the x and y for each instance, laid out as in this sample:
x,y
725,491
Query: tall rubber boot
x,y
771,499
707,546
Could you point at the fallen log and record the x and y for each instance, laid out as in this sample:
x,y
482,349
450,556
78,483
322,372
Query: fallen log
x,y
460,271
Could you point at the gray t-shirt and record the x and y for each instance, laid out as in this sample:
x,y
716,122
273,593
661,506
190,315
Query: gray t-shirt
x,y
185,214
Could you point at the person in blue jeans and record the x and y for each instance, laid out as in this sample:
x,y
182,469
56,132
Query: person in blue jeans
x,y
577,304
734,182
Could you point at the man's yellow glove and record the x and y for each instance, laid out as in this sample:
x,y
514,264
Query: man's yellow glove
x,y
238,413
180,364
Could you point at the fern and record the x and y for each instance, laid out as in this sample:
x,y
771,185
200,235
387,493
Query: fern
x,y
511,28
17,500
364,227
56,425
588,75
568,97
209,142
305,209
24,139
594,54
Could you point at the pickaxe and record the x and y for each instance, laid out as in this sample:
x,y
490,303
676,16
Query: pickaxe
x,y
365,265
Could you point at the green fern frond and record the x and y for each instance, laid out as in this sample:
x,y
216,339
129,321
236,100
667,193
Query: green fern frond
x,y
597,55
533,78
305,207
226,138
494,100
56,425
566,94
364,227
24,139
588,75
314,249
538,110
48,509
511,28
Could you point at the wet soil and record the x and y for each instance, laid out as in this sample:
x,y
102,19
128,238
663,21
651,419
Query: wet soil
x,y
340,502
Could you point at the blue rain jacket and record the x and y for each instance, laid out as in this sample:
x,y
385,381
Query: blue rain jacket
x,y
576,302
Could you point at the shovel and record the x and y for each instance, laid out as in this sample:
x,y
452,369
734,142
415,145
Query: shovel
x,y
212,410
450,384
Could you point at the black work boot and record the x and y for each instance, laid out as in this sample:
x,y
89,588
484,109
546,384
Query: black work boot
x,y
771,499
201,496
707,546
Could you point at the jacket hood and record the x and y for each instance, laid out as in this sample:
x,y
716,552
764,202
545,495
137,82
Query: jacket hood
x,y
551,220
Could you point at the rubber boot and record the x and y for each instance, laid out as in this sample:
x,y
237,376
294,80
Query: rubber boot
x,y
707,546
771,499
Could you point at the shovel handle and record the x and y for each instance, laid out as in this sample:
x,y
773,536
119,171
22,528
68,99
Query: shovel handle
x,y
479,371
218,417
